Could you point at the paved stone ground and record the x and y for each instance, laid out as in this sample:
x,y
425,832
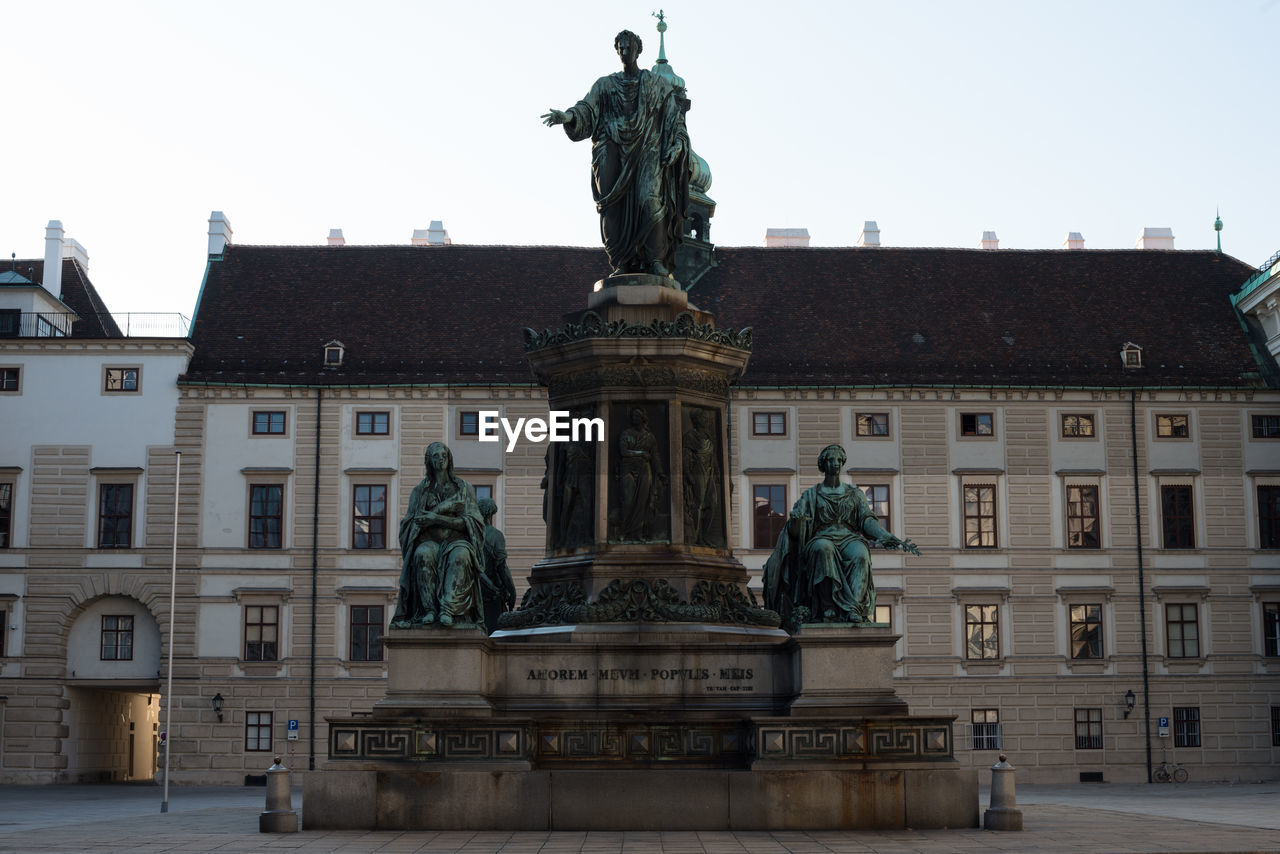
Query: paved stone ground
x,y
1081,818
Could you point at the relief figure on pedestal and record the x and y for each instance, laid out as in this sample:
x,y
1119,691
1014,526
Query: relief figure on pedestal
x,y
821,562
441,540
641,481
574,507
702,487
640,163
497,588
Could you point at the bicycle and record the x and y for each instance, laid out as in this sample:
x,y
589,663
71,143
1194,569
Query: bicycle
x,y
1166,773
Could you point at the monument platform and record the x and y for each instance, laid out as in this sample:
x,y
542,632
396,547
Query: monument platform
x,y
645,726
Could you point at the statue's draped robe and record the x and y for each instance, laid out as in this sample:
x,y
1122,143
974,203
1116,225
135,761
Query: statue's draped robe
x,y
639,470
701,488
636,124
821,559
500,589
443,579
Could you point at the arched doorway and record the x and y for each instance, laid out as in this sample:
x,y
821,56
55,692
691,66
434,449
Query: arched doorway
x,y
113,689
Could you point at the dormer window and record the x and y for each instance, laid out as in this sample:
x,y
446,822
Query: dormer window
x,y
333,353
1131,355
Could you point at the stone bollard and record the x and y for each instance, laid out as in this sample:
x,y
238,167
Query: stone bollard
x,y
280,816
1004,813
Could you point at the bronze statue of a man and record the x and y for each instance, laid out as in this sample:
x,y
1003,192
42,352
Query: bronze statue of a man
x,y
639,161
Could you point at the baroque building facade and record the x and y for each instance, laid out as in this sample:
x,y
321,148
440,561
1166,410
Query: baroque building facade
x,y
1085,444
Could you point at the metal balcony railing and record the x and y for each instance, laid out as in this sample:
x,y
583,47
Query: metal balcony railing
x,y
45,324
1251,283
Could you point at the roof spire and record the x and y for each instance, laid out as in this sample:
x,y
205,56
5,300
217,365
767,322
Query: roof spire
x,y
662,38
1217,226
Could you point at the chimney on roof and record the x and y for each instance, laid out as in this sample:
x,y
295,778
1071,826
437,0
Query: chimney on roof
x,y
219,232
989,240
435,235
1075,240
870,235
53,257
71,248
776,238
336,238
1155,238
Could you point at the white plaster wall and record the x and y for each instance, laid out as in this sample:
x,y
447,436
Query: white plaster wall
x,y
62,404
867,452
369,451
975,452
469,452
759,452
218,630
1173,453
230,447
84,643
1076,453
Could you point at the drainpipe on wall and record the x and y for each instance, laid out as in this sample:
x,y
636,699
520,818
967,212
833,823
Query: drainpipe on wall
x,y
1142,584
315,579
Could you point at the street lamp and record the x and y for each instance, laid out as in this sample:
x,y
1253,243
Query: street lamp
x,y
1129,700
217,705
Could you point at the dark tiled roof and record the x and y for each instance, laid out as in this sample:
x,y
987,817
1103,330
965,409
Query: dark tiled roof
x,y
79,294
822,316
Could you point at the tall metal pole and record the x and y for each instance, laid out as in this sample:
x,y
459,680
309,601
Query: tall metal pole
x,y
173,587
1142,582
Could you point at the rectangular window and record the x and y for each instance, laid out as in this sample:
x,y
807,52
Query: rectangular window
x,y
261,631
11,379
1266,426
1088,729
769,423
4,621
1086,632
1177,517
977,424
884,614
469,423
1269,517
257,731
1271,629
1186,726
1173,426
1077,426
980,516
1275,726
878,497
369,517
770,514
483,490
982,632
873,424
117,638
1182,631
6,515
115,515
268,423
120,380
266,516
986,728
366,633
10,322
379,424
1082,517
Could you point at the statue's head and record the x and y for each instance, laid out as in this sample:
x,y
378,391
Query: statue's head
x,y
831,459
438,460
638,418
488,508
699,419
637,46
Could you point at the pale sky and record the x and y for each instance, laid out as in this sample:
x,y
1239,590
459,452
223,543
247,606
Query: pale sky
x,y
131,121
